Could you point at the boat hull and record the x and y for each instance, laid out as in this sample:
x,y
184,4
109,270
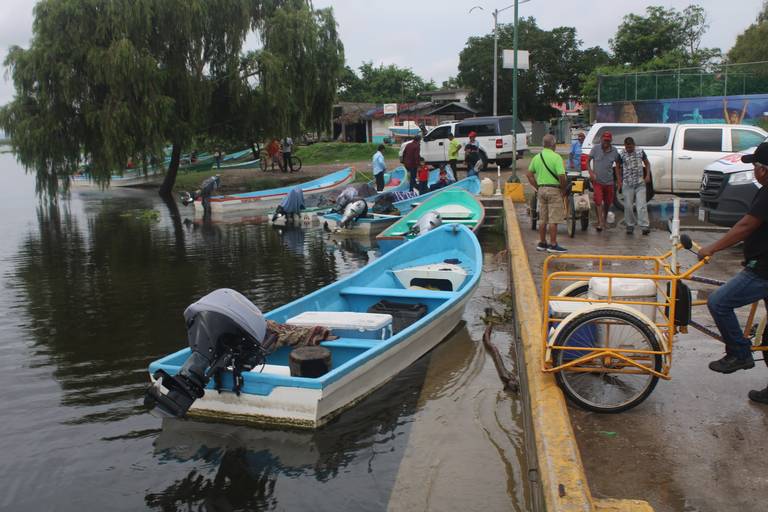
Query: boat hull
x,y
267,199
369,226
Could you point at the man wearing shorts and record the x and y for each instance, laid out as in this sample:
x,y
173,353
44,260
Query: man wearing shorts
x,y
601,174
546,175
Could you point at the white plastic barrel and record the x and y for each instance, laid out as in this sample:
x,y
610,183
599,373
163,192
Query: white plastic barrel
x,y
486,187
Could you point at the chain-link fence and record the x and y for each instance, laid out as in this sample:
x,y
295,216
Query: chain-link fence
x,y
724,80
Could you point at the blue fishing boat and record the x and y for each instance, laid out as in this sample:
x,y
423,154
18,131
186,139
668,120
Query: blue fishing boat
x,y
387,315
452,206
267,199
470,184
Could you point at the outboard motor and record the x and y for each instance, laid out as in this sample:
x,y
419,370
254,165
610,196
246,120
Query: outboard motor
x,y
291,205
352,212
347,196
427,222
224,329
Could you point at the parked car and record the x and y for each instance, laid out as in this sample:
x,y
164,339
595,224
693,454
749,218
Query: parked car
x,y
727,189
493,133
678,153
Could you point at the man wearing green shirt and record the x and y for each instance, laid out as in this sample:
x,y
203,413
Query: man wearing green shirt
x,y
546,175
453,154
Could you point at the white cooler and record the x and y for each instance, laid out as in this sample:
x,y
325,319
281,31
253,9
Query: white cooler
x,y
626,289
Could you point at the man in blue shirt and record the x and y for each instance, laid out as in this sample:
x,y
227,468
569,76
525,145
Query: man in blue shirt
x,y
379,167
574,157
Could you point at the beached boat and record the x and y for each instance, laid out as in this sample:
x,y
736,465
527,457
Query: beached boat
x,y
407,129
454,206
433,277
370,225
394,181
470,184
267,199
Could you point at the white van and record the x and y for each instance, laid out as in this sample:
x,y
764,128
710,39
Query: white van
x,y
678,153
493,133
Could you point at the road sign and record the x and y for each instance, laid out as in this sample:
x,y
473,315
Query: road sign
x,y
508,59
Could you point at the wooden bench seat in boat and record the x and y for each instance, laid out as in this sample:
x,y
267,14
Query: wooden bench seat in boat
x,y
396,292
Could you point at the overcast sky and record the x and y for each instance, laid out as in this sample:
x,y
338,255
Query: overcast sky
x,y
427,35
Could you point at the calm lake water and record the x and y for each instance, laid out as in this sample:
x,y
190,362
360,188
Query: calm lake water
x,y
93,289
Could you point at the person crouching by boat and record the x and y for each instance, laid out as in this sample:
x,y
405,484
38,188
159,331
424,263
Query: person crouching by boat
x,y
291,205
379,168
422,177
442,181
411,158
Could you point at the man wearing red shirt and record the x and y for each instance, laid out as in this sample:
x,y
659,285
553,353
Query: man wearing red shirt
x,y
412,157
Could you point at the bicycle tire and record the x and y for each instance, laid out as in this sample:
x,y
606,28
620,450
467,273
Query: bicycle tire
x,y
575,385
584,220
571,216
581,290
764,341
295,163
534,211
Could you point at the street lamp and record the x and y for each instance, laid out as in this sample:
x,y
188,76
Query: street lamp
x,y
495,14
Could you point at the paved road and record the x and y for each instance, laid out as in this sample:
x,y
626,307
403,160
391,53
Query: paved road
x,y
697,443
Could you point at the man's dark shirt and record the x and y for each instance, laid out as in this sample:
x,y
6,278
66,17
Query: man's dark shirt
x,y
412,154
756,245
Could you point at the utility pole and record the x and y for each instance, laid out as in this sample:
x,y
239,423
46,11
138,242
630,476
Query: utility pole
x,y
514,95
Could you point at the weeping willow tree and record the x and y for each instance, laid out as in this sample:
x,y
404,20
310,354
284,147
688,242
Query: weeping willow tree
x,y
105,81
288,85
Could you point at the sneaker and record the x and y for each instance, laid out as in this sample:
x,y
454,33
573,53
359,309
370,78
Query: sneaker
x,y
541,247
556,248
759,396
630,231
646,231
730,363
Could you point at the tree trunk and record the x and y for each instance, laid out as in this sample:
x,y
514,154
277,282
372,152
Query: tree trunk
x,y
178,228
173,169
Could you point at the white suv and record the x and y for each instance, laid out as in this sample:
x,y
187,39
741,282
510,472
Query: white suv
x,y
493,133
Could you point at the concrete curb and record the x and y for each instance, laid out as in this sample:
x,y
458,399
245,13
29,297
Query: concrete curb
x,y
563,481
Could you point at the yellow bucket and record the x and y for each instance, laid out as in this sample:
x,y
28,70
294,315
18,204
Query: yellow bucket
x,y
514,191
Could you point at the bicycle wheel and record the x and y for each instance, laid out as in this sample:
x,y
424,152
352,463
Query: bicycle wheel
x,y
584,220
296,163
534,211
599,384
570,215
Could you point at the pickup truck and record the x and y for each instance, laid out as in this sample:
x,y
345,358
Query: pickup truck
x,y
727,189
678,153
494,134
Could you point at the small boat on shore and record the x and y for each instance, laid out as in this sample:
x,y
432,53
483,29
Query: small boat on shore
x,y
452,206
387,315
266,199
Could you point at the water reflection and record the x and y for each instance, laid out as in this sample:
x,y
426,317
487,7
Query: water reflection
x,y
245,468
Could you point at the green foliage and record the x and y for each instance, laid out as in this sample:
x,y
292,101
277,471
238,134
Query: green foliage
x,y
103,82
556,64
663,39
340,152
752,44
383,84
